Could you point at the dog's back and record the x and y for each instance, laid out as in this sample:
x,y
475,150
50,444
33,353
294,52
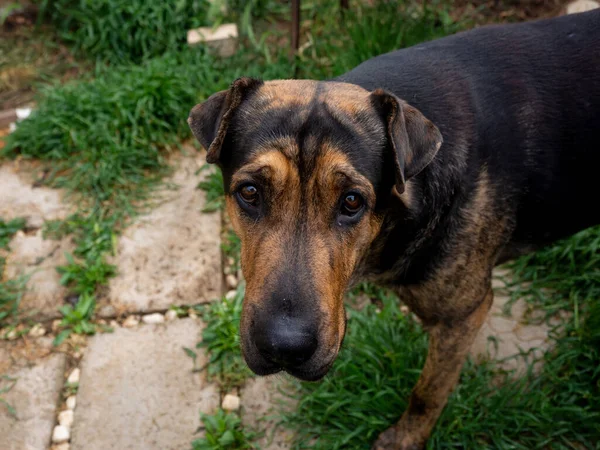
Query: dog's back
x,y
521,100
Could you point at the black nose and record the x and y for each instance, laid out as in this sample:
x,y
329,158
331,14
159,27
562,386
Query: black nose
x,y
285,341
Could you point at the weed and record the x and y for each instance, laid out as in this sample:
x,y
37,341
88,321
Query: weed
x,y
11,293
76,319
213,186
8,229
221,339
224,431
232,246
8,384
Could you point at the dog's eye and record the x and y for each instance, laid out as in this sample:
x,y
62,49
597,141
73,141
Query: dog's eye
x,y
249,194
352,204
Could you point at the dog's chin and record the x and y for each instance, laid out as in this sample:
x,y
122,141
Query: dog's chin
x,y
311,371
310,374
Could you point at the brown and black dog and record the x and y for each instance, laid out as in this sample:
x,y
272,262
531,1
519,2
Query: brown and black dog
x,y
420,170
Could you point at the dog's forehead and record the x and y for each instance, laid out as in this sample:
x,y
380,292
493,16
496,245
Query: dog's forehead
x,y
298,93
304,119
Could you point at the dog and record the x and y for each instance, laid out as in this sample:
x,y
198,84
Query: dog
x,y
420,170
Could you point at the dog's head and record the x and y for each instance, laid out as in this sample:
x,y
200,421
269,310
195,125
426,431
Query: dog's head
x,y
308,168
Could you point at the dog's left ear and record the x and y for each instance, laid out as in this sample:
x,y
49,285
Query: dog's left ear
x,y
413,139
210,120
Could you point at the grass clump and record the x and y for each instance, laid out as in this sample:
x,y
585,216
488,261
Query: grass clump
x,y
11,291
561,277
125,31
224,431
221,339
213,186
6,384
368,31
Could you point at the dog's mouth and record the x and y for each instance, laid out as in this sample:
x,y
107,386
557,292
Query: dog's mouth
x,y
313,370
306,372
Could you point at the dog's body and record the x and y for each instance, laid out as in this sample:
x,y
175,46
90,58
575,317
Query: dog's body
x,y
329,183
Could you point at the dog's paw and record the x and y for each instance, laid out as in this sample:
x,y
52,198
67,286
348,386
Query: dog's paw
x,y
391,439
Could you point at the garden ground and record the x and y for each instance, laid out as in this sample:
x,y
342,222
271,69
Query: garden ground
x,y
120,287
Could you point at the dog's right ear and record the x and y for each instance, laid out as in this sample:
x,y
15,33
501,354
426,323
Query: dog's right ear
x,y
413,139
210,120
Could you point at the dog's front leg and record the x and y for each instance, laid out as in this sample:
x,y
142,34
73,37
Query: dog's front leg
x,y
449,344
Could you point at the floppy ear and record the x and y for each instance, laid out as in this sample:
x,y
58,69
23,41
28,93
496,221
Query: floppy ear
x,y
413,139
209,121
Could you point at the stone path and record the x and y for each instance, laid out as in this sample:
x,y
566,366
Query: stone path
x,y
134,389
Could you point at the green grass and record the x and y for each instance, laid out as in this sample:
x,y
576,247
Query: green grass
x,y
213,186
369,31
134,31
11,291
224,431
561,277
6,384
221,339
125,31
8,229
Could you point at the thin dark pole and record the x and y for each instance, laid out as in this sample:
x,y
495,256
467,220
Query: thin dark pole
x,y
344,4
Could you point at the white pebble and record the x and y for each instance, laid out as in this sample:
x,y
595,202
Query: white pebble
x,y
153,318
231,281
11,335
12,127
60,434
192,314
231,402
131,322
114,324
171,315
404,309
37,330
65,418
74,376
22,113
71,402
230,261
230,294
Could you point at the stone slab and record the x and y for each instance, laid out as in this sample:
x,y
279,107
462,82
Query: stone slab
x,y
137,390
171,256
261,398
33,256
34,397
20,197
503,336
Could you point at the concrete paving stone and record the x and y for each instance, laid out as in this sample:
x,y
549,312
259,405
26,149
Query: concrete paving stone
x,y
261,398
172,255
503,336
137,390
32,255
34,397
21,199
